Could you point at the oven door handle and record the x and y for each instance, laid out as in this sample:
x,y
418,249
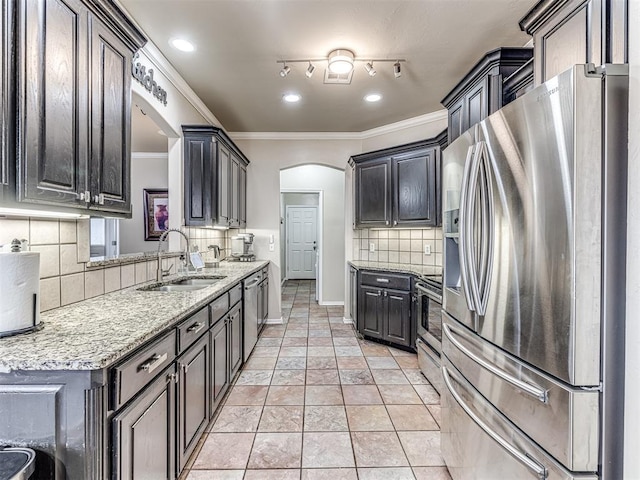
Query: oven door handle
x,y
433,296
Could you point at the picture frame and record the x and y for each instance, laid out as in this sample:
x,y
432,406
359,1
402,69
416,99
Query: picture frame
x,y
156,213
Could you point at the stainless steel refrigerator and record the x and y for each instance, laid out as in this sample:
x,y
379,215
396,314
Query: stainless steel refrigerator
x,y
533,301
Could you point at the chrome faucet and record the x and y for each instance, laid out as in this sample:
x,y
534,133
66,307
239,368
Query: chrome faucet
x,y
160,273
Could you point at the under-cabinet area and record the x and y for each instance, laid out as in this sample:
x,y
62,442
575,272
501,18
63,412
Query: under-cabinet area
x,y
132,387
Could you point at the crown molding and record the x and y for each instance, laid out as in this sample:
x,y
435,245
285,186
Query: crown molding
x,y
146,155
418,121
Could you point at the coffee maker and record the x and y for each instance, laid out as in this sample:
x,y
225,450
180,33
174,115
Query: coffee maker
x,y
242,248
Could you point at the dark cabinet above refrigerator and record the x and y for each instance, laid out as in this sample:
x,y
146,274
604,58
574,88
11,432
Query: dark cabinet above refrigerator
x,y
482,90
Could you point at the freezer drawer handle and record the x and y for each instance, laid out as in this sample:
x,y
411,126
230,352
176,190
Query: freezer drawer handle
x,y
523,458
533,390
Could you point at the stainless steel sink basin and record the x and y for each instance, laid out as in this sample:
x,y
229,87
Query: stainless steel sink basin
x,y
203,281
171,288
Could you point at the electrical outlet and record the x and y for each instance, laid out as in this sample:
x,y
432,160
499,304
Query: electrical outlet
x,y
372,247
272,247
427,249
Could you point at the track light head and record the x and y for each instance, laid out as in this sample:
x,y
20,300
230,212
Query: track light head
x,y
285,70
369,68
310,70
397,72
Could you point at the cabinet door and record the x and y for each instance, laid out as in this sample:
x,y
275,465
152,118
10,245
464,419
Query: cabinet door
x,y
414,192
110,158
6,98
198,180
373,194
457,120
224,170
370,314
234,192
193,397
53,97
235,340
477,103
397,324
219,363
143,433
242,194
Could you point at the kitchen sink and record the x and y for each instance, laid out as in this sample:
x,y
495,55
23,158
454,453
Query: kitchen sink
x,y
171,288
188,284
203,281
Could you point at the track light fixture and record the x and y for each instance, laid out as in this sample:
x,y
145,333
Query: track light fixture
x,y
369,68
310,70
397,72
285,70
341,61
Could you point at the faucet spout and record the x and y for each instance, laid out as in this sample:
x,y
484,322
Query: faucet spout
x,y
160,273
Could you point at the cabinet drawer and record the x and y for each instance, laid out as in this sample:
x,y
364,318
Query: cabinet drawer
x,y
219,307
235,294
142,367
385,280
192,328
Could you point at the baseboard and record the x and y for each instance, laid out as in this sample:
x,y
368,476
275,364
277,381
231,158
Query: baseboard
x,y
347,320
283,281
274,321
331,304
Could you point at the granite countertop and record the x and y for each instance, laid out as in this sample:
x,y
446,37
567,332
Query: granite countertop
x,y
95,333
396,267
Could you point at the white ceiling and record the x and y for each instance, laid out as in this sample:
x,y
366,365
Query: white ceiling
x,y
234,68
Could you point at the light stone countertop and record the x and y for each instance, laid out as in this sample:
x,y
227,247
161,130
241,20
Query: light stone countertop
x,y
396,267
95,333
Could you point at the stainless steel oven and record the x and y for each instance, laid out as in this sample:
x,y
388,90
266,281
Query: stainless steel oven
x,y
429,328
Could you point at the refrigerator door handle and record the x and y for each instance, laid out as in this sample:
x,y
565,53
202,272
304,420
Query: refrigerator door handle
x,y
468,226
533,390
487,227
523,458
462,245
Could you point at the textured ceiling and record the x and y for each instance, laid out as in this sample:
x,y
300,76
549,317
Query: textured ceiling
x,y
234,68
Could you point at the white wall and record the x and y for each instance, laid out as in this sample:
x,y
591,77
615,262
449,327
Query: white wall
x,y
330,182
632,347
150,172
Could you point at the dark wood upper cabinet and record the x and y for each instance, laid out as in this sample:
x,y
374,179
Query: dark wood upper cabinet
x,y
74,104
214,178
6,99
570,32
481,92
399,186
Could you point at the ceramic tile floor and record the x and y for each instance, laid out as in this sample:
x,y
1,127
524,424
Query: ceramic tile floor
x,y
313,403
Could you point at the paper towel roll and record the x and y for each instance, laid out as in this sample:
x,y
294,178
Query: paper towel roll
x,y
19,291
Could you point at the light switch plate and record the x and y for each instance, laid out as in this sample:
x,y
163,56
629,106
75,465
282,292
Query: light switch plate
x,y
372,247
427,249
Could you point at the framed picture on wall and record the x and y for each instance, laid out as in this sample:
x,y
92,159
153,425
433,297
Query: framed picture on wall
x,y
156,213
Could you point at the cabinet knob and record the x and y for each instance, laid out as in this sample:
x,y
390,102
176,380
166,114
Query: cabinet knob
x,y
99,199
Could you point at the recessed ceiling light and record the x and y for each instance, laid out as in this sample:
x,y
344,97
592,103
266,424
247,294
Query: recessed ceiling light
x,y
373,97
291,97
182,44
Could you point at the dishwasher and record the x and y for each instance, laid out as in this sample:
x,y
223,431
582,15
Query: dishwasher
x,y
251,313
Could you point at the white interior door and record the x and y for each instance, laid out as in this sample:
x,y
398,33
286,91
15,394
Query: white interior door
x,y
302,241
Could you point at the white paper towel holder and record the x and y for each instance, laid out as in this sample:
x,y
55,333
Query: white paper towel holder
x,y
16,246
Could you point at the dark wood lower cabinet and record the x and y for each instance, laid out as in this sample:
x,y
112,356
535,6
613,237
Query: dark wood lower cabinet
x,y
385,313
143,433
219,362
193,397
235,343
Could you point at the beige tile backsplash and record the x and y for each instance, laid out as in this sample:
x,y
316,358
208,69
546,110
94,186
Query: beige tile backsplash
x,y
64,251
398,245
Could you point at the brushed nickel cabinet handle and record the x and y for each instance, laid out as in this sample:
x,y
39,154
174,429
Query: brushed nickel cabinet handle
x,y
195,328
154,362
